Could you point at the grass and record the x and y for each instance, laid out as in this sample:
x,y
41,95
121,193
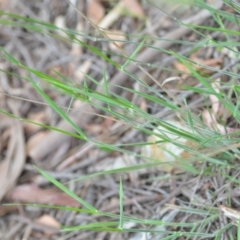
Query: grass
x,y
217,152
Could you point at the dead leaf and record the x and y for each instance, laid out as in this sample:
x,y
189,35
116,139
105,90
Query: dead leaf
x,y
214,100
3,5
199,64
210,116
35,139
143,105
49,221
168,152
210,120
38,117
231,213
214,62
134,8
11,166
95,11
29,193
185,72
7,209
117,37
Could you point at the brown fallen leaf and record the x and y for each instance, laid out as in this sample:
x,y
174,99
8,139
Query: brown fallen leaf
x,y
168,152
35,139
210,116
214,100
210,120
199,66
95,11
3,5
7,209
181,67
134,8
39,117
117,36
48,220
11,166
29,193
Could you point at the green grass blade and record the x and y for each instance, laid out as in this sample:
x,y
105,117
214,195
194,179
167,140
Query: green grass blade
x,y
133,55
66,190
91,226
120,226
57,109
42,125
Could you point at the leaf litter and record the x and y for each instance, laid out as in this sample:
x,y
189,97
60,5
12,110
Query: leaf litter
x,y
146,191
